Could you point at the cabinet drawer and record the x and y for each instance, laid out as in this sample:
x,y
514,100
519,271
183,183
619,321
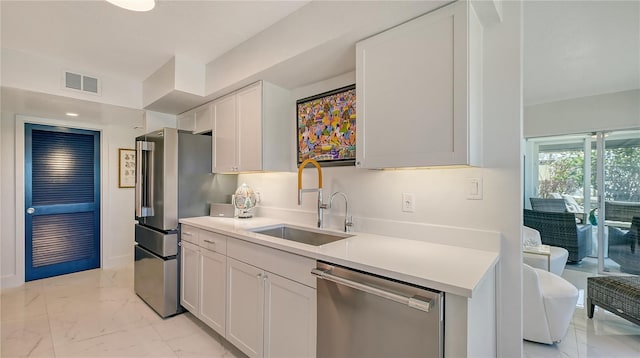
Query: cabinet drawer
x,y
291,266
189,234
213,241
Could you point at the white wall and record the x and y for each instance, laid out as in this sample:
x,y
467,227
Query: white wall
x,y
157,120
7,197
117,203
502,118
611,111
42,74
161,82
440,195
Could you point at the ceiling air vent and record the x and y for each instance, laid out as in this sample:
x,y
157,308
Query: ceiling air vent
x,y
83,83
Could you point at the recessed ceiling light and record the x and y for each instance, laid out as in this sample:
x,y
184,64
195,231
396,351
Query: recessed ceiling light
x,y
134,5
71,114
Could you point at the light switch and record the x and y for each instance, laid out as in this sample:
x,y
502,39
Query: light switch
x,y
408,202
474,188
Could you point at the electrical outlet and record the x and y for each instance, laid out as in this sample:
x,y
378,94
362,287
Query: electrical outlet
x,y
408,202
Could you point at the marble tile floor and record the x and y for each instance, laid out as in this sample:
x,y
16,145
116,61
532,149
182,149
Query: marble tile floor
x,y
96,314
606,335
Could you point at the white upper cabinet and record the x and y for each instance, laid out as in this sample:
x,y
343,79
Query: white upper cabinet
x,y
418,92
203,121
249,117
253,130
224,134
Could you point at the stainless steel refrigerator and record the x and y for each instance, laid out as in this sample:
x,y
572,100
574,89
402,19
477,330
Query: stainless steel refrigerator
x,y
173,180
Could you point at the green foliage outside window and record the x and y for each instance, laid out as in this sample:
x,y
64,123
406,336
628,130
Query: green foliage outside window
x,y
565,173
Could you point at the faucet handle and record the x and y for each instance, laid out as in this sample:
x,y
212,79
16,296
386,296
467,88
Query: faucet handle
x,y
348,223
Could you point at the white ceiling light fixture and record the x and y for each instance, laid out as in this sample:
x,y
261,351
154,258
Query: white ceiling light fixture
x,y
71,114
134,5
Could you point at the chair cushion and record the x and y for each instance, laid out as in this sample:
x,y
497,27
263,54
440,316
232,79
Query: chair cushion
x,y
530,237
572,204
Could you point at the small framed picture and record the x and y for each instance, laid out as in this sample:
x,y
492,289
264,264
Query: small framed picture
x,y
127,165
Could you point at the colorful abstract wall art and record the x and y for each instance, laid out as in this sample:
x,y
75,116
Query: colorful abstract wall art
x,y
327,127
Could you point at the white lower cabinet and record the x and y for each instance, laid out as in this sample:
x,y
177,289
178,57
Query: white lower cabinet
x,y
260,299
269,315
245,308
213,277
190,277
203,276
290,318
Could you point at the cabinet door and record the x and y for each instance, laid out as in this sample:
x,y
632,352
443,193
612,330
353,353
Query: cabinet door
x,y
203,119
412,93
245,307
249,108
224,135
290,318
189,277
213,289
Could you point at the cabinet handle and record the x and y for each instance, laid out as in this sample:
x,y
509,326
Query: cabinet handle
x,y
259,276
210,242
417,302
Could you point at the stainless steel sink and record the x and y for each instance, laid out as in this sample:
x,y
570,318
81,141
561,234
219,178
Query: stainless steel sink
x,y
302,235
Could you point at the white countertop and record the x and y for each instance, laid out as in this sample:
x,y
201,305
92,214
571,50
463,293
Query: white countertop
x,y
452,269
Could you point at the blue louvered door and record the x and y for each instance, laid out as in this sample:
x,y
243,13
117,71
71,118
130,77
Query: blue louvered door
x,y
62,201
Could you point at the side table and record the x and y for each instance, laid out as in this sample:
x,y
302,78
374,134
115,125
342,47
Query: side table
x,y
543,250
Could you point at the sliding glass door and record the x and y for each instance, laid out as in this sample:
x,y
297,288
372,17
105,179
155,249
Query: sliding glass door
x,y
574,168
620,201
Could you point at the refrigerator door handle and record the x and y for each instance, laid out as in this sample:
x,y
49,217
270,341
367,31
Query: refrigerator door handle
x,y
144,178
138,179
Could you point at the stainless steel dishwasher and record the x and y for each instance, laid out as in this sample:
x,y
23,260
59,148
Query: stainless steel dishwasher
x,y
362,315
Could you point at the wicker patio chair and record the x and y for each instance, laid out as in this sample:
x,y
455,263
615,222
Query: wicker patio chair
x,y
623,247
560,229
549,205
621,210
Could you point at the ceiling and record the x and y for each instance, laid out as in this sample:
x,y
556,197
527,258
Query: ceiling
x,y
580,48
571,48
135,44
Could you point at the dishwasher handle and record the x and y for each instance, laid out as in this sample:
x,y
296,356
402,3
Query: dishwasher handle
x,y
417,302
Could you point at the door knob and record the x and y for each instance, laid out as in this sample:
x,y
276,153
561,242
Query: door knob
x,y
31,211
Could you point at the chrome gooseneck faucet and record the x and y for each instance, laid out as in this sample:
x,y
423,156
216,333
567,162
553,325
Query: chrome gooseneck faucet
x,y
348,221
